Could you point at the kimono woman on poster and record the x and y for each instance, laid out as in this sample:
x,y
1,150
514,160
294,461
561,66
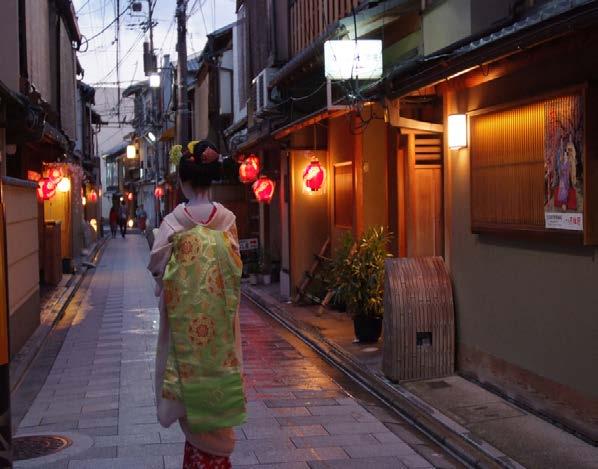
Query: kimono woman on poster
x,y
197,267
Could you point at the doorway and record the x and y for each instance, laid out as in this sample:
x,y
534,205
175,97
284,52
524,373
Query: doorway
x,y
420,201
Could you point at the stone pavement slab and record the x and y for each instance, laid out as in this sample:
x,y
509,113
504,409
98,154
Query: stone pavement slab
x,y
100,390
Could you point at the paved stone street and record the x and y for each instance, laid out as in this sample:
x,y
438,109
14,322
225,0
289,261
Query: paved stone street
x,y
100,391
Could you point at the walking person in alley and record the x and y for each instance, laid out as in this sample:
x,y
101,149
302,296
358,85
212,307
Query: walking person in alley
x,y
122,218
113,219
141,215
197,267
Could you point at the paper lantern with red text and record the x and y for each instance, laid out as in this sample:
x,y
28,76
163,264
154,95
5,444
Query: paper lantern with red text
x,y
46,189
159,192
263,189
313,176
55,175
249,169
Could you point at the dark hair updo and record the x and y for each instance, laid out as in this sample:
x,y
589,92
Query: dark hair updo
x,y
199,174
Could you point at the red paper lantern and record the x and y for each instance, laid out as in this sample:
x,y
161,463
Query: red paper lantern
x,y
263,189
130,196
93,196
159,192
313,176
46,189
55,175
249,169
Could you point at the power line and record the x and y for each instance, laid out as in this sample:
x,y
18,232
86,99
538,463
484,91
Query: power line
x,y
118,17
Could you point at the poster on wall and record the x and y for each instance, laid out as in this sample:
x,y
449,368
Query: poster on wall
x,y
563,163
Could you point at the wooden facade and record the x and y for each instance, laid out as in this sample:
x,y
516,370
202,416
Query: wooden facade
x,y
309,19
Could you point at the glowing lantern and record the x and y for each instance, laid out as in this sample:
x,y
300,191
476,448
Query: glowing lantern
x,y
33,176
94,224
130,196
93,196
313,176
159,192
131,151
46,189
64,185
263,189
457,131
130,223
83,201
55,175
249,169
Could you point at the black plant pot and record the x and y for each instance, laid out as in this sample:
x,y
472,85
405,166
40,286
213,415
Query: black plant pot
x,y
367,328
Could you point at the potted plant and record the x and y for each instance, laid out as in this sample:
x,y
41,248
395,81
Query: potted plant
x,y
265,268
252,271
363,284
338,271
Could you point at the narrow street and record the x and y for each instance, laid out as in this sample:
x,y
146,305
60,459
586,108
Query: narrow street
x,y
100,391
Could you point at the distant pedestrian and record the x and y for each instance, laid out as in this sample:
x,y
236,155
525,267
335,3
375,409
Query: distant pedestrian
x,y
198,359
113,220
122,218
141,217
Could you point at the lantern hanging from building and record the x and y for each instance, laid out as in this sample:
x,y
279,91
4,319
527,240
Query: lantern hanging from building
x,y
263,189
63,185
83,201
93,196
46,189
159,192
130,196
313,176
249,169
55,175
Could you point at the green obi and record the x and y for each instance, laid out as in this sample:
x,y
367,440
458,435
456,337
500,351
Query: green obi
x,y
202,289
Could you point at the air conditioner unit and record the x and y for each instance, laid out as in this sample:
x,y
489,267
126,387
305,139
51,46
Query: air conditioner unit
x,y
262,97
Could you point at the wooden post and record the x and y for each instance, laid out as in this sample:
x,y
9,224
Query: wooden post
x,y
358,223
410,191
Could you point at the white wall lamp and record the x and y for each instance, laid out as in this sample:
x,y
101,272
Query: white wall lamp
x,y
457,131
154,80
131,151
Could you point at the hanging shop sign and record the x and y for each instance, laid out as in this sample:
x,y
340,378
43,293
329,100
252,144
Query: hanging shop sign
x,y
347,59
249,169
313,176
263,189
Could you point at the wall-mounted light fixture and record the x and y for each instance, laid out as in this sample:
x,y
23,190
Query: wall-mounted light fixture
x,y
131,151
457,131
154,80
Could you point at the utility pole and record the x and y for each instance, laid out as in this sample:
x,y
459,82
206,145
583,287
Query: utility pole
x,y
118,58
182,99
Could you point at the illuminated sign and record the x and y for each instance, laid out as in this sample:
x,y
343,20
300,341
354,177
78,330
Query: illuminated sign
x,y
353,59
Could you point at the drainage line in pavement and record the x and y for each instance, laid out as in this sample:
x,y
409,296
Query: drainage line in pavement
x,y
442,441
95,258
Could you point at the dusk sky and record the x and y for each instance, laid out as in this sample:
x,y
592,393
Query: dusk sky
x,y
100,60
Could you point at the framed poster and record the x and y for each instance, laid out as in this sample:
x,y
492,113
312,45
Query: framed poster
x,y
564,148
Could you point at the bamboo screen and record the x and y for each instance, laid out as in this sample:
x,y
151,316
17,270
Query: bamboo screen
x,y
507,168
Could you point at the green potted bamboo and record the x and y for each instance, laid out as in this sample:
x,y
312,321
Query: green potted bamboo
x,y
361,283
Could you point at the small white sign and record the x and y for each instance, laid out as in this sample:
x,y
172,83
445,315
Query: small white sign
x,y
348,59
249,244
564,221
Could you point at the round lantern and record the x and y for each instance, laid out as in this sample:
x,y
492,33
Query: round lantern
x,y
249,169
93,196
63,184
159,192
83,201
263,189
55,175
130,196
46,189
313,176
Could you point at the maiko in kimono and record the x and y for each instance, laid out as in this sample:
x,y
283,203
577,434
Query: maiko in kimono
x,y
197,267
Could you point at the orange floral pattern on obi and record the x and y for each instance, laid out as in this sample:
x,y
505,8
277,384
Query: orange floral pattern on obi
x,y
172,294
202,331
215,282
189,250
231,360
